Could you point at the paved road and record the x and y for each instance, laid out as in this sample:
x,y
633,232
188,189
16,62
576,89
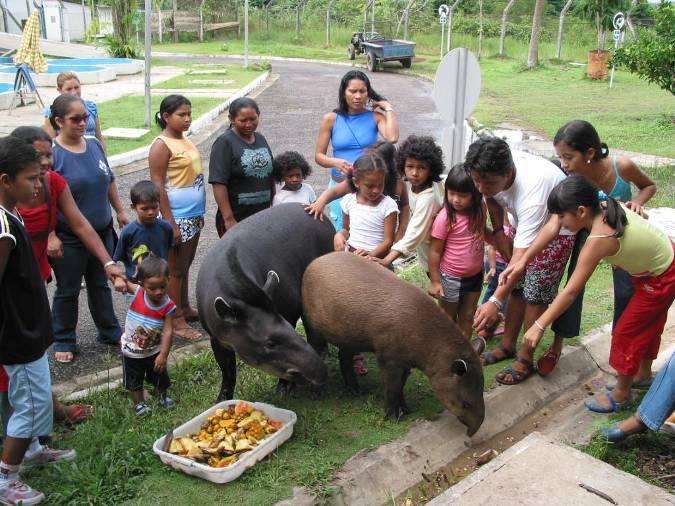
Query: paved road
x,y
291,111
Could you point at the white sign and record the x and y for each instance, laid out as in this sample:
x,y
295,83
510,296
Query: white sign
x,y
617,35
443,10
443,19
456,91
619,20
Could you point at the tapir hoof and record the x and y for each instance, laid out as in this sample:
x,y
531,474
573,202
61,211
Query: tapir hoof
x,y
394,414
225,395
285,388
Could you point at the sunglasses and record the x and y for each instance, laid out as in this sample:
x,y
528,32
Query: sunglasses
x,y
79,119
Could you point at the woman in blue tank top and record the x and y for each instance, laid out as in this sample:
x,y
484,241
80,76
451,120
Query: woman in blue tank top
x,y
361,114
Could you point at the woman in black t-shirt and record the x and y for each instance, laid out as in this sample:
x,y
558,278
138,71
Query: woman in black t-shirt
x,y
240,168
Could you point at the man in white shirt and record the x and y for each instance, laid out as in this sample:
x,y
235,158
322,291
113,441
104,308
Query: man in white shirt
x,y
520,184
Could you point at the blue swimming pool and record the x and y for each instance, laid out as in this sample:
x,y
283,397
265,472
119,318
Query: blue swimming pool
x,y
5,87
56,69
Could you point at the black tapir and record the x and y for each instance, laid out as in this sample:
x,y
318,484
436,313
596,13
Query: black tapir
x,y
248,294
358,306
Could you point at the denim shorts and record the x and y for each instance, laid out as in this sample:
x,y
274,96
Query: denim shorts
x,y
454,287
30,394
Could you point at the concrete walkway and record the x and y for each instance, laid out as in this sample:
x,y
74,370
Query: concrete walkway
x,y
121,87
540,471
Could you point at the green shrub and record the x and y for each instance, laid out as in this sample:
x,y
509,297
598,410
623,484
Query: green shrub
x,y
118,49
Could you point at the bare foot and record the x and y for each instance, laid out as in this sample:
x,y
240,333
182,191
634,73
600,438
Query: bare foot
x,y
65,357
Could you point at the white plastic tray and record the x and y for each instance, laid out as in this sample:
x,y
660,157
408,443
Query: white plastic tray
x,y
245,460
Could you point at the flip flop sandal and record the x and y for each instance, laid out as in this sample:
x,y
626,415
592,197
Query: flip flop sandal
x,y
637,385
185,332
614,407
547,362
517,376
489,357
80,413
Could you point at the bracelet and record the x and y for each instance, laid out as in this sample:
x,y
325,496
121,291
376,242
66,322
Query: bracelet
x,y
388,109
498,229
496,302
108,264
539,326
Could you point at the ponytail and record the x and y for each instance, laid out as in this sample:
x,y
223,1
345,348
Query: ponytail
x,y
581,136
616,216
575,191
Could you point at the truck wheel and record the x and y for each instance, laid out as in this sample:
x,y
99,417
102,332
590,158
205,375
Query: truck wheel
x,y
351,52
406,62
371,61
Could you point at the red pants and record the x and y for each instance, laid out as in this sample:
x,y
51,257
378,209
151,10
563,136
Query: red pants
x,y
637,334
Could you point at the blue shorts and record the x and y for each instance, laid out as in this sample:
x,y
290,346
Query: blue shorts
x,y
30,394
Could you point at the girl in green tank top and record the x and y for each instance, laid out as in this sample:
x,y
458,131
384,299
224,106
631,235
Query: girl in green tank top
x,y
623,238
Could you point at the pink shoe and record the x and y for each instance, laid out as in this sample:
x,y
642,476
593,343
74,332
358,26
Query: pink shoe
x,y
18,492
49,456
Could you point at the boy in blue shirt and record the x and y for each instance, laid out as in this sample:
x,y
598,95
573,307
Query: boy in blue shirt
x,y
147,234
25,322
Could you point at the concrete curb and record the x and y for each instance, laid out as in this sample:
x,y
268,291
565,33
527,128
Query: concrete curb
x,y
374,476
199,124
162,54
83,386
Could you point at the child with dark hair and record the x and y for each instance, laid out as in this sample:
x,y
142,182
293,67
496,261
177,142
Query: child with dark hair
x,y
148,329
148,234
420,160
622,238
290,170
457,246
26,331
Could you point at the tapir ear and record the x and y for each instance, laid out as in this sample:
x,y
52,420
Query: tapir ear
x,y
271,283
459,367
225,311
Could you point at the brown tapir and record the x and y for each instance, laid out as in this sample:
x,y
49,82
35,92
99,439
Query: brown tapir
x,y
358,306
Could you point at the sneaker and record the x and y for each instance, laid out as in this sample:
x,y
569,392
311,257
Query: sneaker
x,y
166,402
18,492
142,409
49,456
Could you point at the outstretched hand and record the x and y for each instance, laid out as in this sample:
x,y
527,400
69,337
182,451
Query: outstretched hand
x,y
315,209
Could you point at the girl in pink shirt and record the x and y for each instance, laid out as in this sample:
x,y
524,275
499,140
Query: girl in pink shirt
x,y
457,245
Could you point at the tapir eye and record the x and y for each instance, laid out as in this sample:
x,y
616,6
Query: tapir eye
x,y
271,344
459,367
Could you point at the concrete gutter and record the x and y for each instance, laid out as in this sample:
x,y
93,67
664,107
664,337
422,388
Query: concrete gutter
x,y
199,124
375,476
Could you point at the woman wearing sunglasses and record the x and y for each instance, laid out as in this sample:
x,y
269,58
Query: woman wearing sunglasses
x,y
82,162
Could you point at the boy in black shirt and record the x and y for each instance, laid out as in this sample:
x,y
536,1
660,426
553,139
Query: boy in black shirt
x,y
25,321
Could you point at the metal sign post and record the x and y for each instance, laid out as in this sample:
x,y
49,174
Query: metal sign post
x,y
619,22
456,92
147,56
443,10
245,34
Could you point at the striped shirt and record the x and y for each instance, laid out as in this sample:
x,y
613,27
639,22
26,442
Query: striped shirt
x,y
144,325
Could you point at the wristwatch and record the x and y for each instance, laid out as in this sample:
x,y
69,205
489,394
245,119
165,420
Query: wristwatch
x,y
496,302
389,109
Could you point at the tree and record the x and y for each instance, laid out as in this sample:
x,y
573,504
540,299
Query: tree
x,y
502,34
563,13
533,51
652,55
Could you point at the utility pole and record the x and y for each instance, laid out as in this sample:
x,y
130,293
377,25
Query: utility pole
x,y
148,53
245,34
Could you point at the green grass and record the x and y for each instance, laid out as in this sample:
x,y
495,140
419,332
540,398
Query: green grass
x,y
627,454
128,112
633,115
239,76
